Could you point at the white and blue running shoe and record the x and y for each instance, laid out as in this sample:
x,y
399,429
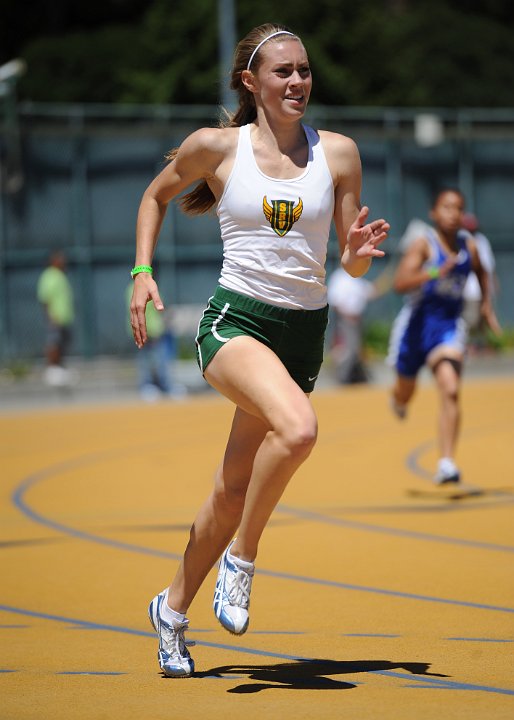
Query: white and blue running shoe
x,y
173,655
447,472
232,593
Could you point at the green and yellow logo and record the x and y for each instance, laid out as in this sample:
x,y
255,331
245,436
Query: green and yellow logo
x,y
281,214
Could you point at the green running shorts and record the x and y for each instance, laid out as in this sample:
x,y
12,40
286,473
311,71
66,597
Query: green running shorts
x,y
296,336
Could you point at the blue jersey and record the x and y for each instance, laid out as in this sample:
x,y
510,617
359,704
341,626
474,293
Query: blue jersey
x,y
431,315
443,297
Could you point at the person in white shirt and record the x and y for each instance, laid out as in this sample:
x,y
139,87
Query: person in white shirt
x,y
472,293
348,297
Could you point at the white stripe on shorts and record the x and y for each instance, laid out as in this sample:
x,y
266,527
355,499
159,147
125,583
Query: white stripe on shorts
x,y
213,330
215,324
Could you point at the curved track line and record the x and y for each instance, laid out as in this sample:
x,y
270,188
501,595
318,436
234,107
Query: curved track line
x,y
411,534
29,482
82,461
412,460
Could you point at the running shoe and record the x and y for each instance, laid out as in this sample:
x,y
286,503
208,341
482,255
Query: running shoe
x,y
173,655
232,593
399,409
447,472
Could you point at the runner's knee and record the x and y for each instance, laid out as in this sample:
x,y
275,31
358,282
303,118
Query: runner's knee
x,y
298,435
447,373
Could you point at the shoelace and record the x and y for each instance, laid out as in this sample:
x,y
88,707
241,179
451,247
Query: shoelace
x,y
239,589
175,643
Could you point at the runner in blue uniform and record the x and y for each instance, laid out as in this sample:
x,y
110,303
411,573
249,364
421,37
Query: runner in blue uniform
x,y
429,329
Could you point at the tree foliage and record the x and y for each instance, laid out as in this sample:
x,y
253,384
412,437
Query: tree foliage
x,y
455,53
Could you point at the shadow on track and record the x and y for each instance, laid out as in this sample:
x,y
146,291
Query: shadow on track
x,y
308,674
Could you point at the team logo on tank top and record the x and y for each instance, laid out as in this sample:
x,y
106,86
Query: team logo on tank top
x,y
281,214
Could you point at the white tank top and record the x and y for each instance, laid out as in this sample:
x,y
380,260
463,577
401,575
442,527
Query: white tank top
x,y
275,232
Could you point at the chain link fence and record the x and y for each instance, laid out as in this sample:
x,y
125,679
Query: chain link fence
x,y
72,178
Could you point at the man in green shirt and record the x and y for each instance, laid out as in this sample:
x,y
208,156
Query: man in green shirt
x,y
55,293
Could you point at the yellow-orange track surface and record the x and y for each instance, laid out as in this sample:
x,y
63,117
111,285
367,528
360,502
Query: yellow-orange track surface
x,y
376,595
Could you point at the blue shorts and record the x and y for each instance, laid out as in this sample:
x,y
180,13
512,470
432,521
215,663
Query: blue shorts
x,y
297,337
413,339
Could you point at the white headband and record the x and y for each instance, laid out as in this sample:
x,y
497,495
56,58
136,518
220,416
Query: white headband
x,y
279,32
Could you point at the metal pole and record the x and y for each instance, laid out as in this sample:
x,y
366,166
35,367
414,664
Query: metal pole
x,y
227,43
11,180
4,339
393,171
465,155
82,250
